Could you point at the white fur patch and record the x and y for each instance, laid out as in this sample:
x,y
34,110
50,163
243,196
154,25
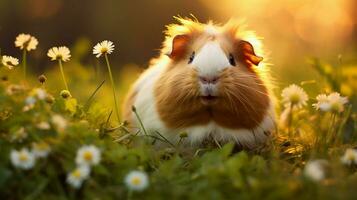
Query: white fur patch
x,y
244,137
210,60
211,30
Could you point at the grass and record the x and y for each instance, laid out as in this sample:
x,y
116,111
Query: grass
x,y
212,172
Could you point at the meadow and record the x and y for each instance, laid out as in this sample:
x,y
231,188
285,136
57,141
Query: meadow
x,y
59,143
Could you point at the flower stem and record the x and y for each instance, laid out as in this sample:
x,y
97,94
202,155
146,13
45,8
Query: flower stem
x,y
139,119
62,72
24,63
290,121
331,131
130,194
113,86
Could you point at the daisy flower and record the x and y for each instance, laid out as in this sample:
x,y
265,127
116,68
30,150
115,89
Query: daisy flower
x,y
349,157
315,170
102,48
22,159
77,176
26,41
43,125
337,102
294,96
59,53
334,102
41,150
14,89
88,155
30,102
59,122
39,93
137,180
322,103
9,61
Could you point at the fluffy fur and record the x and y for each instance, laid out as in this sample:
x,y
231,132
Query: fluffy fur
x,y
168,95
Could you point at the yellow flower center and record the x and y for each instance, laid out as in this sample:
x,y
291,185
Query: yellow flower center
x,y
136,181
9,63
76,174
104,50
59,57
88,156
335,107
23,157
294,98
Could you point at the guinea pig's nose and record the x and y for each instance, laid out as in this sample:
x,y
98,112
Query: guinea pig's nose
x,y
209,80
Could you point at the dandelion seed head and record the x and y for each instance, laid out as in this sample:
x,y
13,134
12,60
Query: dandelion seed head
x,y
9,61
26,41
102,48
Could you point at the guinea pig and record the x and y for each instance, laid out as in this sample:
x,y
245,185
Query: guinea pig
x,y
209,82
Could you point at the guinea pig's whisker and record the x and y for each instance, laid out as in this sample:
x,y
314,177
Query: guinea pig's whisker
x,y
239,98
245,102
255,90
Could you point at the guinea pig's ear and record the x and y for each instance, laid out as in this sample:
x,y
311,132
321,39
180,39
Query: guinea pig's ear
x,y
246,53
179,45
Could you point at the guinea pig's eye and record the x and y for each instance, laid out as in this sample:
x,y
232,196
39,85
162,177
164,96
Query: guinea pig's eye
x,y
232,61
191,58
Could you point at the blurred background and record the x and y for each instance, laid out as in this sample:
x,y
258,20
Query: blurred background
x,y
294,31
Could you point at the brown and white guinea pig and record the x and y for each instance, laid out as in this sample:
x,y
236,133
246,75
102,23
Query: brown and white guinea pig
x,y
209,82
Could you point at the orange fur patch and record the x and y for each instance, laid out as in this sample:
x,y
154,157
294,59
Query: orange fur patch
x,y
242,102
